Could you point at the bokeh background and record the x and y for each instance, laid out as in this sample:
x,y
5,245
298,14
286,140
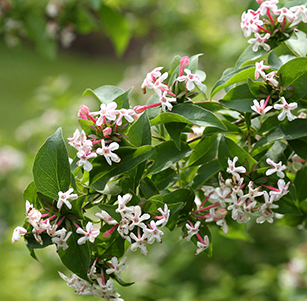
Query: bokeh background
x,y
41,86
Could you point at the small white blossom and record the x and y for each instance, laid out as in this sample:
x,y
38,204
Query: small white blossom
x,y
117,267
64,197
201,246
232,169
106,151
277,167
192,230
90,233
286,109
18,232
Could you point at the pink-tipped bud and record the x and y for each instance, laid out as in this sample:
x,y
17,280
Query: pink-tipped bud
x,y
259,1
83,112
185,61
139,109
107,132
221,211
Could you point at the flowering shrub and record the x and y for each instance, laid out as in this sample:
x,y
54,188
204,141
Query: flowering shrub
x,y
178,161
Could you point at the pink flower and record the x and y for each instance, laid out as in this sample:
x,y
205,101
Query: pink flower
x,y
165,101
284,13
250,22
151,78
90,233
185,61
286,109
84,155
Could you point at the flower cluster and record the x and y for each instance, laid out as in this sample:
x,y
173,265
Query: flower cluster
x,y
98,285
269,22
156,80
133,226
103,141
243,203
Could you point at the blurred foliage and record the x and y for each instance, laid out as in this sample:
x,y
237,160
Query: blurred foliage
x,y
273,267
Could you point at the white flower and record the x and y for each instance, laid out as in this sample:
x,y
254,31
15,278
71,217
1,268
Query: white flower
x,y
106,151
117,267
232,169
158,86
127,113
136,218
122,202
106,217
260,41
190,80
33,215
277,167
201,246
286,109
18,232
268,5
154,233
284,13
90,233
107,111
60,240
64,197
84,155
250,22
151,78
281,191
261,107
259,69
165,101
271,78
165,216
191,230
140,243
300,13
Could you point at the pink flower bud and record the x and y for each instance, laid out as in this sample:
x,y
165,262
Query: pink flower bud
x,y
259,1
139,109
107,132
185,61
83,112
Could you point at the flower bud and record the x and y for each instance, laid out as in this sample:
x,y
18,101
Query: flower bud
x,y
185,61
139,109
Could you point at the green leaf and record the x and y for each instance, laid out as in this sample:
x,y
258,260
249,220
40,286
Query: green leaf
x,y
165,179
300,147
298,43
239,98
175,129
289,131
300,183
229,149
166,154
130,158
194,63
77,257
189,114
148,188
274,61
140,132
51,169
33,244
200,151
294,73
105,94
286,206
30,195
233,77
205,172
174,213
249,55
117,28
174,64
255,87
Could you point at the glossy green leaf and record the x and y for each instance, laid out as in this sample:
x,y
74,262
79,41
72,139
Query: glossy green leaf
x,y
233,77
205,172
140,132
201,149
51,169
165,178
300,183
175,129
230,149
194,63
167,154
174,213
256,88
130,158
148,188
300,147
289,131
189,114
249,55
294,73
105,94
30,195
239,98
76,257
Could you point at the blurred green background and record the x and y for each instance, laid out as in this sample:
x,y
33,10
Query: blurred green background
x,y
39,94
